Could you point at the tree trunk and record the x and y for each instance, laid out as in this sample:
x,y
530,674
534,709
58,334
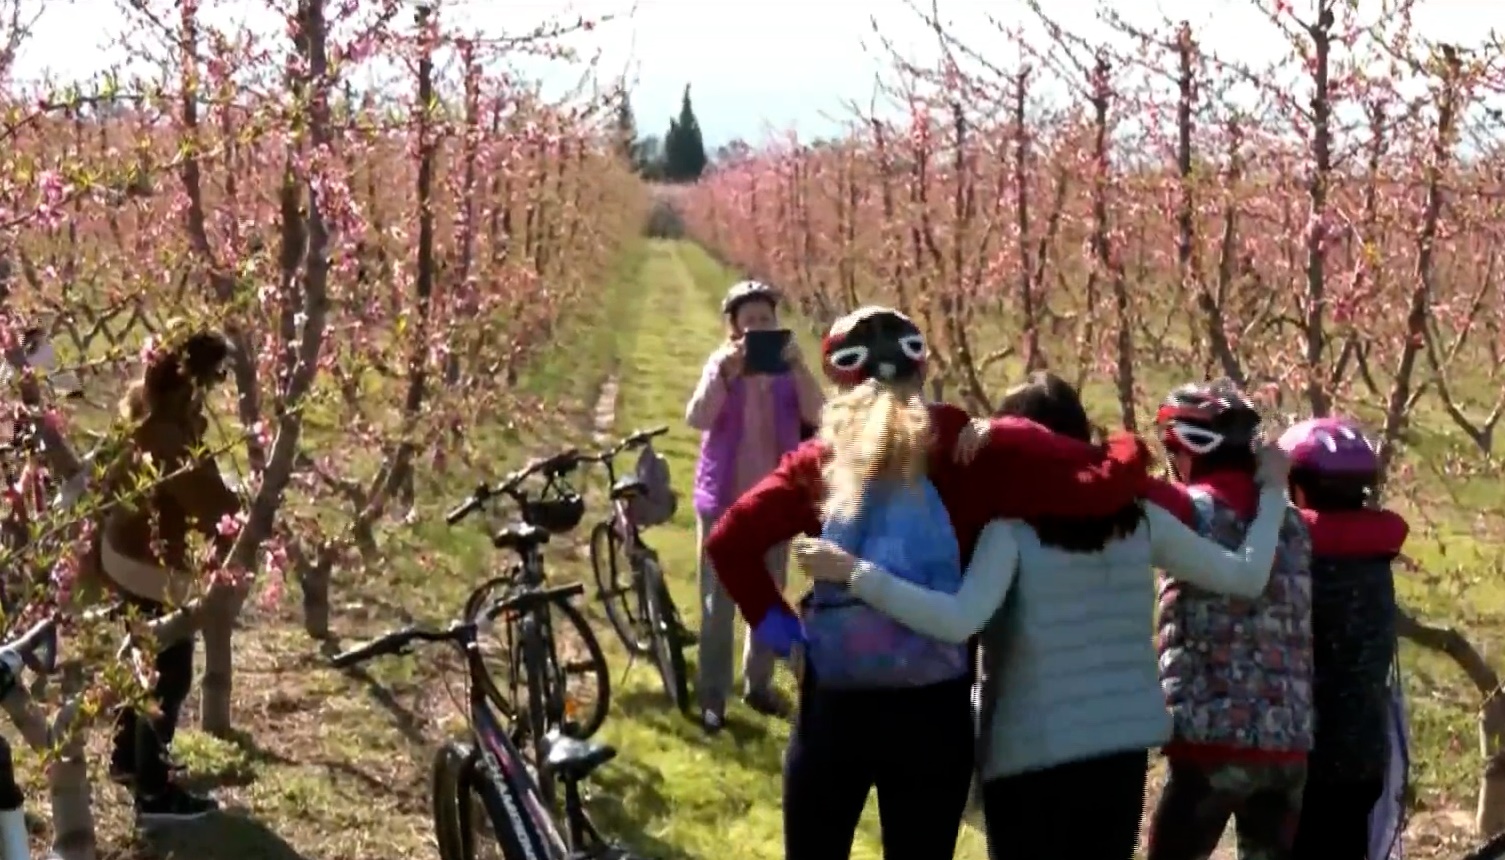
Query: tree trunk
x,y
219,631
68,774
1490,816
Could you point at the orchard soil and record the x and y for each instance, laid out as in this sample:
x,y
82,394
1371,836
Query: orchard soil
x,y
332,766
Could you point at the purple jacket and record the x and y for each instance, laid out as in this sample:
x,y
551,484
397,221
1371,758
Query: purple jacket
x,y
716,473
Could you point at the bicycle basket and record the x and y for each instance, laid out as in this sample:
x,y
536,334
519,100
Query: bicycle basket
x,y
656,504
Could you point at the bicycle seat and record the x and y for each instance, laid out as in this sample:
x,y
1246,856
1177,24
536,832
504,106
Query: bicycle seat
x,y
520,537
626,488
573,759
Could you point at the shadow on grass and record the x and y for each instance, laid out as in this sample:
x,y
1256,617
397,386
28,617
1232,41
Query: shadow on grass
x,y
231,835
407,723
745,740
626,798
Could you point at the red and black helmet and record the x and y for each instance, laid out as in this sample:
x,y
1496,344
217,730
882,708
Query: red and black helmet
x,y
1202,417
873,342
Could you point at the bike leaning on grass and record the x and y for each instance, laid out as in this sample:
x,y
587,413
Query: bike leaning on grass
x,y
629,578
485,780
540,672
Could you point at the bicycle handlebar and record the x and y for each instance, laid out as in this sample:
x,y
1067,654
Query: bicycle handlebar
x,y
398,641
636,439
554,466
22,651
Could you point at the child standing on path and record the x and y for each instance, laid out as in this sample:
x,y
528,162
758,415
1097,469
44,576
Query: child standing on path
x,y
747,423
1237,674
1334,472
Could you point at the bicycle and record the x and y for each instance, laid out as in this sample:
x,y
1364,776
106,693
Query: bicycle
x,y
641,609
490,769
36,649
529,636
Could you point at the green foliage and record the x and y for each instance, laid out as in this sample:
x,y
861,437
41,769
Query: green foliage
x,y
684,147
678,156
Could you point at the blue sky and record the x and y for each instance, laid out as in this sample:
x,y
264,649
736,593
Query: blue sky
x,y
757,67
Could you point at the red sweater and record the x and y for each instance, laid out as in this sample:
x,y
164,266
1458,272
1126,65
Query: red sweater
x,y
1025,471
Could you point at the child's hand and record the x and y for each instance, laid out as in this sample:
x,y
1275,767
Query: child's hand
x,y
1273,466
730,361
973,438
792,354
824,561
779,632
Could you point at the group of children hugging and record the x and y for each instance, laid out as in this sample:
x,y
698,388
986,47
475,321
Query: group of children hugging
x,y
1016,605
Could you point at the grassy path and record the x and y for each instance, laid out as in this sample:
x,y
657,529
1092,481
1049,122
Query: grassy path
x,y
689,796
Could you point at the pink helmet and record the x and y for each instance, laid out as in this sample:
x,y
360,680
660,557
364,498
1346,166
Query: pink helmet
x,y
1329,446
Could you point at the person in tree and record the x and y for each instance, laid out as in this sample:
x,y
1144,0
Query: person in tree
x,y
1334,476
879,706
748,421
1237,674
1070,700
161,495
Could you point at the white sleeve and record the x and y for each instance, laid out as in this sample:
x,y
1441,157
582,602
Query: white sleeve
x,y
949,617
1188,556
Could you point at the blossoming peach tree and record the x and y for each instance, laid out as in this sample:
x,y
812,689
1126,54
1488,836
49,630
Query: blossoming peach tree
x,y
384,263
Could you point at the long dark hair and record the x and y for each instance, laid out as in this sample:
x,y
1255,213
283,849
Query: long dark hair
x,y
1052,402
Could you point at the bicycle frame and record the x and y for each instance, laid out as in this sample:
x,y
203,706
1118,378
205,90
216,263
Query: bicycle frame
x,y
535,620
499,776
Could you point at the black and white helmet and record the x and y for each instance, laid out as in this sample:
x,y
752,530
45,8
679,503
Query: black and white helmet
x,y
743,292
1201,417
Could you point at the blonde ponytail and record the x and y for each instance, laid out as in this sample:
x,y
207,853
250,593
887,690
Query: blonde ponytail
x,y
875,431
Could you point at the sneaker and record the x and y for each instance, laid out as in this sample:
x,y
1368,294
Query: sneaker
x,y
768,703
712,721
174,804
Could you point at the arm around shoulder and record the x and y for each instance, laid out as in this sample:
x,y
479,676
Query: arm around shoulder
x,y
948,617
1054,475
1189,556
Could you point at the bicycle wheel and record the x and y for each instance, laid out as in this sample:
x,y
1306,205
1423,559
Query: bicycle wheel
x,y
582,683
450,761
536,672
617,597
499,646
668,643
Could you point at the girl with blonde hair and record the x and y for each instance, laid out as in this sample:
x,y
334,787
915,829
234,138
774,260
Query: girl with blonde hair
x,y
1070,700
882,706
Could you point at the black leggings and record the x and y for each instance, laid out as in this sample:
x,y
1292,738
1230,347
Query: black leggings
x,y
1335,819
141,741
1093,805
914,745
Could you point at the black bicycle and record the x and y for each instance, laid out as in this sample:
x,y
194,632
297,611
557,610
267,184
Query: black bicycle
x,y
488,773
634,594
538,669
